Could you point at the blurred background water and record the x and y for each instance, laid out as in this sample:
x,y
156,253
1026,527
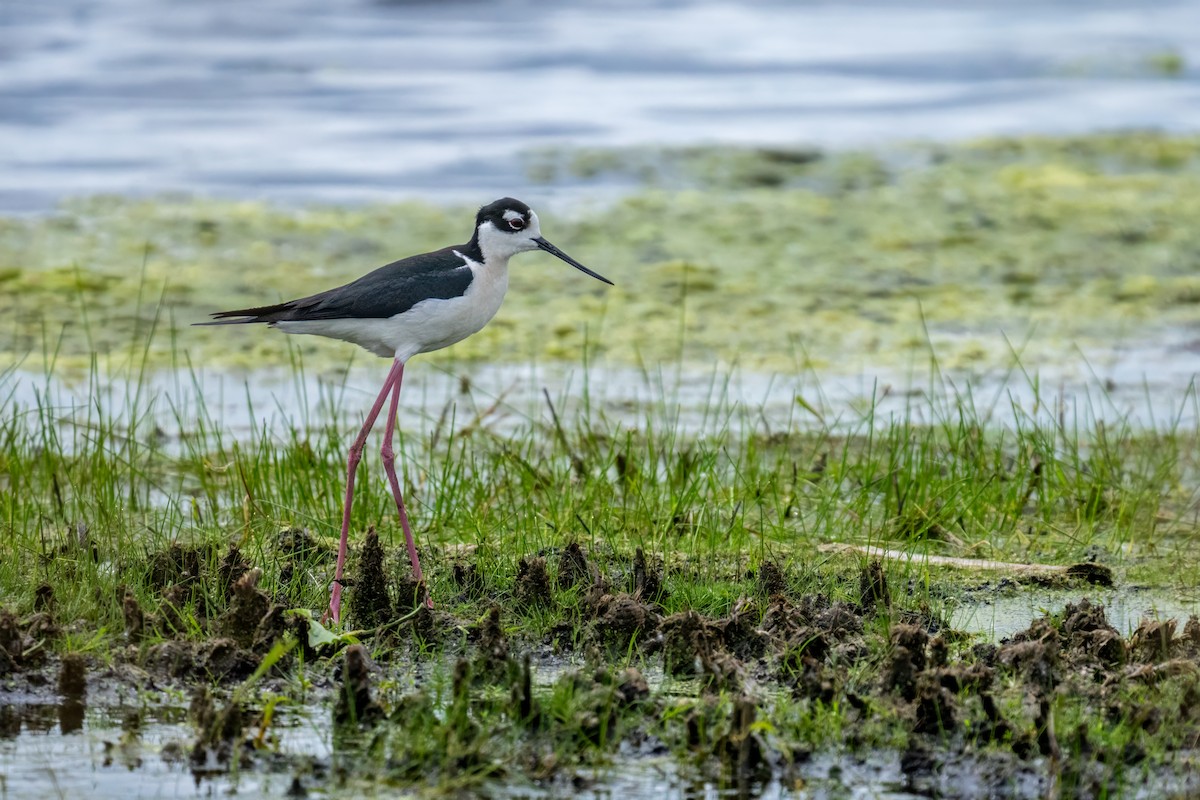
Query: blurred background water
x,y
299,100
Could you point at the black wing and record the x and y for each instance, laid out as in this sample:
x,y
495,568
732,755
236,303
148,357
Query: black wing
x,y
389,290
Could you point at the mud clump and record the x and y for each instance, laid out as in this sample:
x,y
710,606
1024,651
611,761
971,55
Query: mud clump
x,y
533,582
687,643
1191,636
873,588
355,705
1047,741
647,578
573,567
370,605
469,578
297,544
631,687
43,598
12,646
135,617
176,564
270,628
621,617
246,610
232,567
1034,653
176,606
740,633
933,707
1090,572
215,660
491,644
1153,640
771,580
1087,631
906,661
839,620
411,594
995,728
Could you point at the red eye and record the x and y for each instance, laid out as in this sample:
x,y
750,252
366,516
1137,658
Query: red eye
x,y
516,223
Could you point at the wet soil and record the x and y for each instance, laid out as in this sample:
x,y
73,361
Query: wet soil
x,y
1068,701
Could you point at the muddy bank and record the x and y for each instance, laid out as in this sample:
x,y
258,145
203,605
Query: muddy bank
x,y
577,658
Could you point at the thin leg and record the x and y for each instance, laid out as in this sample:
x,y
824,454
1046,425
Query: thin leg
x,y
389,466
356,451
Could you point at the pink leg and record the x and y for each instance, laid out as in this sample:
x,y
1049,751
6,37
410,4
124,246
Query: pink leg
x,y
389,466
356,451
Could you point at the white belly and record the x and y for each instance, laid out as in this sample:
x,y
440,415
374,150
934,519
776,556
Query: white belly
x,y
427,326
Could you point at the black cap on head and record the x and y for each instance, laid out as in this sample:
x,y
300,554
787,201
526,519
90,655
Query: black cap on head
x,y
495,211
512,216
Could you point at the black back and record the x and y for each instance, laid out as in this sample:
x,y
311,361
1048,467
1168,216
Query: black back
x,y
391,289
385,292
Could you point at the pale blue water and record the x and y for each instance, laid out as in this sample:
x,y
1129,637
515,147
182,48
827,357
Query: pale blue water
x,y
302,100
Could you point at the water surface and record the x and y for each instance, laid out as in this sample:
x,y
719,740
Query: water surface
x,y
367,99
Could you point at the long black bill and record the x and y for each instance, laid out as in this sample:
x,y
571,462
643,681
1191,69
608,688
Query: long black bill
x,y
554,251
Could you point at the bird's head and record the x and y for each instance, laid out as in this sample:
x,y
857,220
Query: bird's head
x,y
507,226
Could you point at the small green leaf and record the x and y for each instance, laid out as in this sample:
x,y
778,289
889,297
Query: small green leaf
x,y
319,635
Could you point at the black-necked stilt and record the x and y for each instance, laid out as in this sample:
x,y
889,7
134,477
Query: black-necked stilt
x,y
415,305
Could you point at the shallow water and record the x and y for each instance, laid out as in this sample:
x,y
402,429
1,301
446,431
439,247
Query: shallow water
x,y
1150,385
43,754
38,758
372,99
1001,614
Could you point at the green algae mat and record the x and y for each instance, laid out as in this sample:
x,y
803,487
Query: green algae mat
x,y
773,259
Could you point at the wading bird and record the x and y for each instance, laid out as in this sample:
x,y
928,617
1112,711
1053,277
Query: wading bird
x,y
415,305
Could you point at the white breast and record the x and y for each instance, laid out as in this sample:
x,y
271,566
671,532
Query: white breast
x,y
427,326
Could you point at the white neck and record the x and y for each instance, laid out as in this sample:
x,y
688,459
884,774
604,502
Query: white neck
x,y
499,246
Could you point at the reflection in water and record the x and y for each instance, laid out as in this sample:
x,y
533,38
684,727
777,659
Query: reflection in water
x,y
72,685
10,722
70,716
107,752
41,718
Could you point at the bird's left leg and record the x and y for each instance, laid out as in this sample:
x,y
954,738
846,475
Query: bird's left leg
x,y
356,451
389,466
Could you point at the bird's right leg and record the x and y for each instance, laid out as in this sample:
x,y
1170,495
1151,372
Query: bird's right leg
x,y
389,466
356,451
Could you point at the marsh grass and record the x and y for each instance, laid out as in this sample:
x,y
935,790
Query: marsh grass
x,y
93,491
